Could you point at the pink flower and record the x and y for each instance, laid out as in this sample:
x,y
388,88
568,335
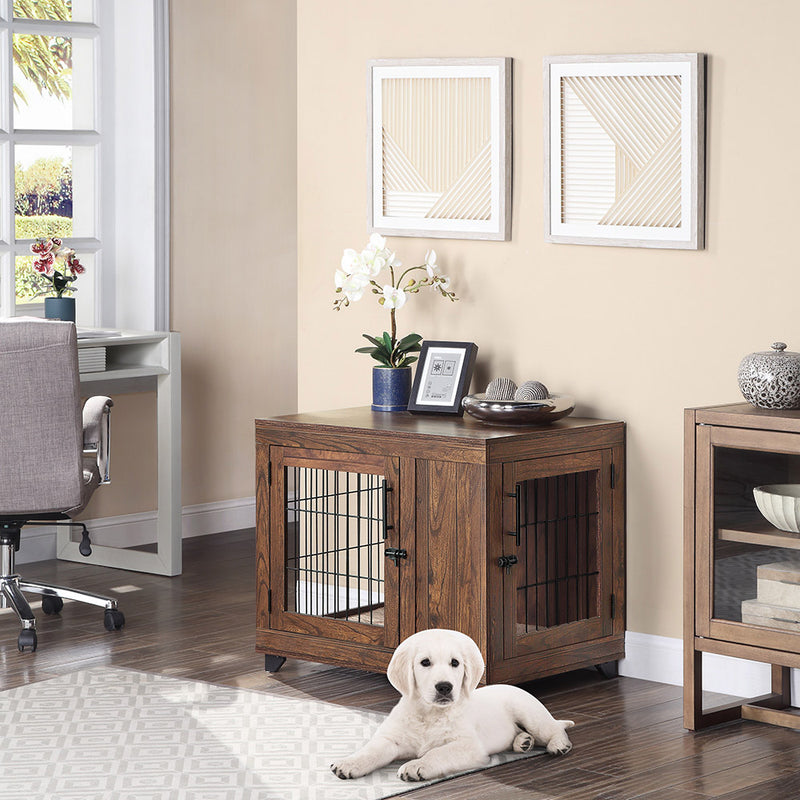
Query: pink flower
x,y
44,265
75,266
42,246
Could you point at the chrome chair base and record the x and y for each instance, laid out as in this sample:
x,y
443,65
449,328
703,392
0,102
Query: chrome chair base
x,y
13,587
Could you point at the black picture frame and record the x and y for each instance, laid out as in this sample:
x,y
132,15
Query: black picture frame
x,y
444,371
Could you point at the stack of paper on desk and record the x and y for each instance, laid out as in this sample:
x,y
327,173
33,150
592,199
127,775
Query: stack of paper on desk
x,y
91,359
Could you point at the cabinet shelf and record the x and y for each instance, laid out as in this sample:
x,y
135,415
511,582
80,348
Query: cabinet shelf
x,y
752,529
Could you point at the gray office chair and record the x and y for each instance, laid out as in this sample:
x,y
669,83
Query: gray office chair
x,y
52,457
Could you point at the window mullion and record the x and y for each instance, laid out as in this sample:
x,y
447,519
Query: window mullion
x,y
41,27
7,282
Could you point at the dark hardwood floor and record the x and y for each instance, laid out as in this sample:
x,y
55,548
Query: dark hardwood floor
x,y
629,740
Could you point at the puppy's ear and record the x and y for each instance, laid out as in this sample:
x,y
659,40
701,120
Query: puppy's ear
x,y
473,666
400,671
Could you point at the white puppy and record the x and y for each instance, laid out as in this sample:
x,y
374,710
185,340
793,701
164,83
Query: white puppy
x,y
443,722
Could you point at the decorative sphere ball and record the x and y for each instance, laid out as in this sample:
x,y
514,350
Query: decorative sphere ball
x,y
501,389
532,390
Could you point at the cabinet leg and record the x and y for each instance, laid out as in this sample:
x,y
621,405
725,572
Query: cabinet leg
x,y
273,663
782,685
694,717
609,669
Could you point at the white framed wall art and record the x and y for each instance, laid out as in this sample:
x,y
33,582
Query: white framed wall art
x,y
439,161
625,150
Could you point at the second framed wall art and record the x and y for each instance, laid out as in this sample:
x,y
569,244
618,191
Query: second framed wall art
x,y
625,150
440,147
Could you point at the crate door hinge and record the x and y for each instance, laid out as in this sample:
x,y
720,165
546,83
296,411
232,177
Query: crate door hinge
x,y
613,477
613,606
269,601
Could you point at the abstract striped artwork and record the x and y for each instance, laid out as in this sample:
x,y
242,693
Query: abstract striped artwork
x,y
436,148
621,140
439,148
625,158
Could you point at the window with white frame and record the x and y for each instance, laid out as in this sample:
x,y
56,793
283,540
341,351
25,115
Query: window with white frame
x,y
83,154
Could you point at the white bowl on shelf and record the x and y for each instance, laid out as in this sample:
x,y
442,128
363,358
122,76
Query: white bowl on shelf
x,y
780,505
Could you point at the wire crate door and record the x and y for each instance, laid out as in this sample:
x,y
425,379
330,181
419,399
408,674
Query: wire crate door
x,y
334,551
557,555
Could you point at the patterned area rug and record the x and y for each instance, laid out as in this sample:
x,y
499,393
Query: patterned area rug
x,y
117,734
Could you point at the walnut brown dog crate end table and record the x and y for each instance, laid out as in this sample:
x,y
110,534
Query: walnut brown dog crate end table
x,y
372,526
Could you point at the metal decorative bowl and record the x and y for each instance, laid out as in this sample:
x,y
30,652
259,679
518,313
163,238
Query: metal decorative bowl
x,y
779,503
519,412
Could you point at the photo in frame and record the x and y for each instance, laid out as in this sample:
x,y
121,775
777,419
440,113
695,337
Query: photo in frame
x,y
439,161
625,150
444,371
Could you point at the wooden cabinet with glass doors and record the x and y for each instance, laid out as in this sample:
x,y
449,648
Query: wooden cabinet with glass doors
x,y
741,573
372,526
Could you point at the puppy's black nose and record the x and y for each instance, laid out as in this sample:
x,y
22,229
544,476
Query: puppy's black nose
x,y
445,687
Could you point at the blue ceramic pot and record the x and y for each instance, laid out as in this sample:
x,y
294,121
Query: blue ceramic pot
x,y
391,388
60,308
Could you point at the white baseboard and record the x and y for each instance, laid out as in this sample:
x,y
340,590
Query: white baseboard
x,y
653,658
130,530
660,659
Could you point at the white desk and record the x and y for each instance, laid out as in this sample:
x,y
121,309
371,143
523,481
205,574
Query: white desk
x,y
135,362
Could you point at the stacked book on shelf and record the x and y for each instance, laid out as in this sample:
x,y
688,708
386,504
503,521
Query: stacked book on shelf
x,y
777,604
91,359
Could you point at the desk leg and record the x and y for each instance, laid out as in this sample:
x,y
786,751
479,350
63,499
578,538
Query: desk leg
x,y
170,522
167,559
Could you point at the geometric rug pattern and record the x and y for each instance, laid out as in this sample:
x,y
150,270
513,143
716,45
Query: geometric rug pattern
x,y
117,734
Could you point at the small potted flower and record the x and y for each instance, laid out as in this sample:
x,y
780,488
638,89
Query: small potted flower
x,y
359,272
57,268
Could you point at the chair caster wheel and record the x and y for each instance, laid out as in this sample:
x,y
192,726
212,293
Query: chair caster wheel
x,y
27,638
113,619
52,604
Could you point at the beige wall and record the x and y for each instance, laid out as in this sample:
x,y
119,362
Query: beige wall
x,y
634,334
233,154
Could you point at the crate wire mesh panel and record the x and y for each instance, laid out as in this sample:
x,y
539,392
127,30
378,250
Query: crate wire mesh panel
x,y
558,529
335,530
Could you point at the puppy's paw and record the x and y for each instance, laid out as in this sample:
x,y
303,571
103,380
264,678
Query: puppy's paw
x,y
523,742
559,745
413,770
346,768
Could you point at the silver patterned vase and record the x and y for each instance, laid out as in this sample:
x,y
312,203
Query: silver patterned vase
x,y
771,379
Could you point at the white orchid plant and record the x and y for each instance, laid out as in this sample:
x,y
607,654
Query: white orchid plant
x,y
360,271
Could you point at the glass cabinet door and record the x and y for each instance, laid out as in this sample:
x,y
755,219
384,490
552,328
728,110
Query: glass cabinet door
x,y
748,581
334,558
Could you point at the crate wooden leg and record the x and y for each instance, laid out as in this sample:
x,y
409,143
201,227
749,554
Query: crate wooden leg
x,y
273,663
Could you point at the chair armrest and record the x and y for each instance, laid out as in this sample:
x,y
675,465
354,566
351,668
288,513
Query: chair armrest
x,y
97,432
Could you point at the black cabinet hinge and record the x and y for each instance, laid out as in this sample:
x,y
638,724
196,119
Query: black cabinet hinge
x,y
613,477
613,606
269,601
269,473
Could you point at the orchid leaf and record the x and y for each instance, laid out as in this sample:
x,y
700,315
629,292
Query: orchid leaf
x,y
407,342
